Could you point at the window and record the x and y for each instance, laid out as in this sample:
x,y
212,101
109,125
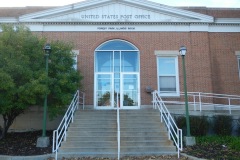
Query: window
x,y
168,81
75,54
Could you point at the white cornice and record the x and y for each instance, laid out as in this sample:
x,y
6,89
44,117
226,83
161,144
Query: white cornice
x,y
169,9
8,20
142,4
227,20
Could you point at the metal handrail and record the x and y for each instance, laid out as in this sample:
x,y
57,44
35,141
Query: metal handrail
x,y
173,131
210,99
81,100
118,128
60,133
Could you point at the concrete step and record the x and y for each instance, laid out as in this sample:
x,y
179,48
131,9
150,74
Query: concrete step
x,y
90,133
92,138
93,129
92,125
139,120
144,133
96,150
90,144
147,143
137,149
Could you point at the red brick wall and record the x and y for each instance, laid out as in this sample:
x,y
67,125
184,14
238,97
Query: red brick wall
x,y
224,62
211,64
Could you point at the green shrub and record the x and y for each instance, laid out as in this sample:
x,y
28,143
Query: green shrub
x,y
222,125
238,127
230,141
198,125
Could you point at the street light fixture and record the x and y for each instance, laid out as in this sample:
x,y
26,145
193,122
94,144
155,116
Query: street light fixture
x,y
44,141
189,140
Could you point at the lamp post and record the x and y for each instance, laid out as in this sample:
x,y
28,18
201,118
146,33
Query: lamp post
x,y
183,51
189,140
44,141
47,49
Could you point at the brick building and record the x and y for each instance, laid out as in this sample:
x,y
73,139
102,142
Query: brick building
x,y
126,46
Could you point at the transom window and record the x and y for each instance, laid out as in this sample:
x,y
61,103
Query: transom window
x,y
117,56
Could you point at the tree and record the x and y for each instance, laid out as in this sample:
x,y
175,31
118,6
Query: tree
x,y
23,76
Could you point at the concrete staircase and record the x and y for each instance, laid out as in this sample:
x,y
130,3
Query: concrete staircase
x,y
94,133
142,133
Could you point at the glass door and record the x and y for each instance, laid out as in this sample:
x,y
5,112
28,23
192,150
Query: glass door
x,y
130,90
104,90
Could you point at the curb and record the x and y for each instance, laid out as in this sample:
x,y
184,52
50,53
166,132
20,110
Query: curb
x,y
47,156
37,157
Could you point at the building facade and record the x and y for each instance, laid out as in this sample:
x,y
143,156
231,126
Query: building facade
x,y
127,48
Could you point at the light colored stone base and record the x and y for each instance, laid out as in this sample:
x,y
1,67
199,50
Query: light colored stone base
x,y
43,142
189,141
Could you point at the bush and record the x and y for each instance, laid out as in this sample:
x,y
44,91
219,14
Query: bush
x,y
229,141
198,125
222,125
238,127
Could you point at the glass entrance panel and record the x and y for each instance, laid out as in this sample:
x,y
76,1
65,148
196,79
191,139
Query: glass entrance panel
x,y
130,90
104,90
116,75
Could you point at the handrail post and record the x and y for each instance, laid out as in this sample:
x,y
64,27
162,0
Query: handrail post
x,y
72,112
83,100
65,128
229,105
154,99
118,127
53,142
200,102
78,96
169,129
56,145
178,142
194,102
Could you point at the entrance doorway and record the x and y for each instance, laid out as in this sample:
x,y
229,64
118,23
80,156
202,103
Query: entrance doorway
x,y
116,76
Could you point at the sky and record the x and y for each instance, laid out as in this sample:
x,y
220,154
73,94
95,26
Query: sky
x,y
202,3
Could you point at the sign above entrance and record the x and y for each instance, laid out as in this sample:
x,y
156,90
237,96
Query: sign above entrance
x,y
116,17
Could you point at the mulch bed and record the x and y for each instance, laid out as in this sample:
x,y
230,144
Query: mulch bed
x,y
213,151
24,144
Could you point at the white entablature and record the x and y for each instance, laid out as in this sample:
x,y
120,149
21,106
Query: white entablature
x,y
116,11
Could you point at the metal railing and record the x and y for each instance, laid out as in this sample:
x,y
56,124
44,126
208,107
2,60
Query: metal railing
x,y
81,100
173,131
118,128
60,133
200,99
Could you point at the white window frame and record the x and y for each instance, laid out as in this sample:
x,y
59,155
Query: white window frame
x,y
237,53
168,54
238,58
